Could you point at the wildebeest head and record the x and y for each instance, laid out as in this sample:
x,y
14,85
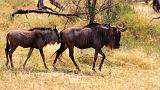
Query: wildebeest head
x,y
117,35
49,35
55,31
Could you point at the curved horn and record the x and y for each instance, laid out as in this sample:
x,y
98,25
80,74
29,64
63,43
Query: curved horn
x,y
123,25
123,28
112,26
117,26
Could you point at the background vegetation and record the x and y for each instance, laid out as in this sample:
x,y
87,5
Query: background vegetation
x,y
135,66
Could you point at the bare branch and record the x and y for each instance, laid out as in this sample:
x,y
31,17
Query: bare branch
x,y
76,4
102,7
155,18
20,11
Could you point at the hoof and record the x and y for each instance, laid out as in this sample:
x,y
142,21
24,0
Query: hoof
x,y
24,67
12,66
77,71
54,68
94,69
46,68
99,69
6,64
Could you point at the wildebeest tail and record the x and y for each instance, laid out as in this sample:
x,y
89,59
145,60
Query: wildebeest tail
x,y
7,45
61,49
7,50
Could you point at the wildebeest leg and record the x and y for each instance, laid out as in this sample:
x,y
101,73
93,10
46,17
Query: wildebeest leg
x,y
7,60
43,58
28,56
95,58
7,51
71,52
62,48
10,54
103,57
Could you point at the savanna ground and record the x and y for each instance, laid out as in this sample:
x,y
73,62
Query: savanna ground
x,y
135,66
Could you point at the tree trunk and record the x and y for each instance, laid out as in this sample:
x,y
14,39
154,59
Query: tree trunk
x,y
91,5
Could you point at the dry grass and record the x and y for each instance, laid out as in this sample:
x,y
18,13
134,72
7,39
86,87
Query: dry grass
x,y
121,78
138,58
130,70
133,67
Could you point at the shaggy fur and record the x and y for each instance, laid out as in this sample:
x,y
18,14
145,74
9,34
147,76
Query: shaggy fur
x,y
90,36
33,38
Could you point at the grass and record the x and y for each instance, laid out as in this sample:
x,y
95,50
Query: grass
x,y
119,79
135,66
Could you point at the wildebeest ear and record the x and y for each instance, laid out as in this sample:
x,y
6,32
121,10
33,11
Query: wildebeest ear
x,y
55,27
109,25
51,28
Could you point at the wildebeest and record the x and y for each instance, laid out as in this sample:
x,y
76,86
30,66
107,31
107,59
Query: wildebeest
x,y
33,38
156,5
41,6
94,35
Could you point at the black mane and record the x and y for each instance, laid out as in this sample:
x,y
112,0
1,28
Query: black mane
x,y
92,25
40,28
